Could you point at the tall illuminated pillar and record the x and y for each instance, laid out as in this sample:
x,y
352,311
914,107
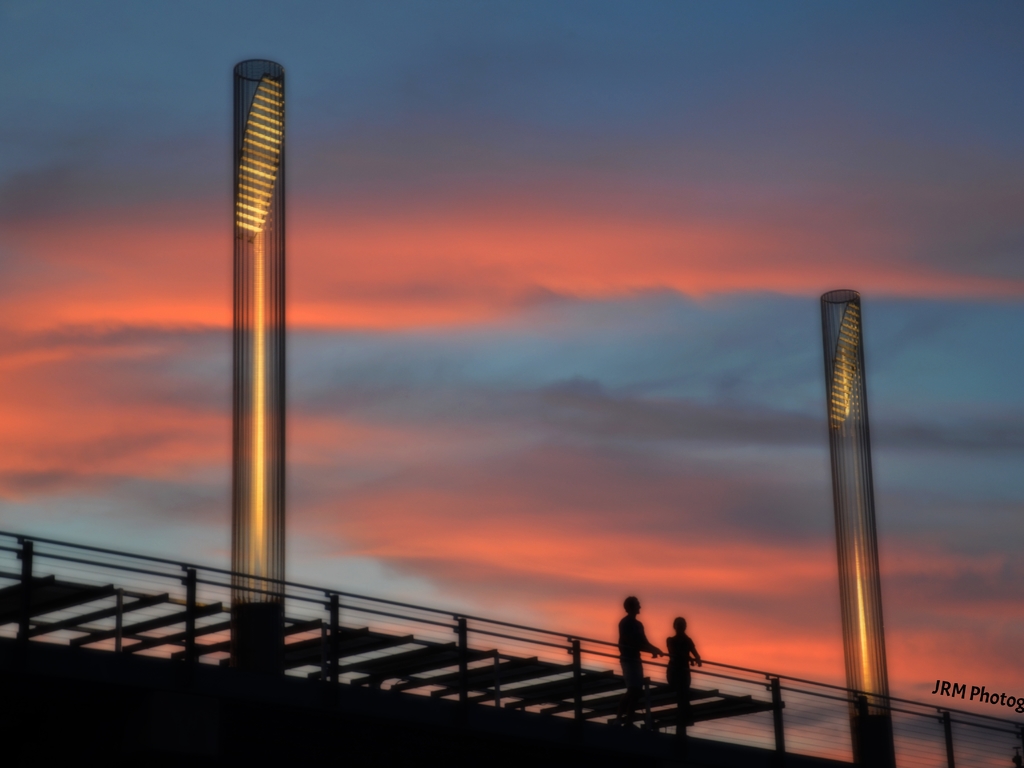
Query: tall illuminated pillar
x,y
860,591
258,515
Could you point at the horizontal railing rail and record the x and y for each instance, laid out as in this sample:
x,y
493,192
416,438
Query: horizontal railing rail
x,y
176,609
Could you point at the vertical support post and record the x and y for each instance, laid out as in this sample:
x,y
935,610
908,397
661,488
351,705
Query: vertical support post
x,y
119,621
947,727
648,717
25,620
335,638
190,615
780,735
577,679
462,631
323,653
860,743
497,680
873,743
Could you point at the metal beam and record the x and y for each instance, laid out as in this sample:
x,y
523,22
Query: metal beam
x,y
177,638
146,626
42,628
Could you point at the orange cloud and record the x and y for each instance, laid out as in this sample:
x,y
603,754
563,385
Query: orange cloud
x,y
398,268
78,407
573,579
767,604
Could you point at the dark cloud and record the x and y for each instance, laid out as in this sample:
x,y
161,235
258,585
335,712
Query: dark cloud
x,y
986,434
580,406
51,482
125,365
200,499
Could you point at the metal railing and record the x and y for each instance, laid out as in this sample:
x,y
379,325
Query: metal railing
x,y
59,592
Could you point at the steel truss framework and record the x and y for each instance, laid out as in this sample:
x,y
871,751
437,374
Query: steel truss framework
x,y
63,593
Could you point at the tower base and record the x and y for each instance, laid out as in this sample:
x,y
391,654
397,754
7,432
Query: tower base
x,y
257,637
873,741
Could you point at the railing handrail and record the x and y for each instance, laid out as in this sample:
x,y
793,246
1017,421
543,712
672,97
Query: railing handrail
x,y
285,582
327,592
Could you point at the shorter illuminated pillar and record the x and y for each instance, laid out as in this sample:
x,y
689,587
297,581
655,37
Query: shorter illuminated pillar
x,y
853,496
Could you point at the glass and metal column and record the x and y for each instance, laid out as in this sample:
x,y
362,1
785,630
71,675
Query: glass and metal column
x,y
258,514
853,497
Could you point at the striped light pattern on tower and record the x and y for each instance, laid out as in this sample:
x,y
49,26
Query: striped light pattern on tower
x,y
853,496
259,333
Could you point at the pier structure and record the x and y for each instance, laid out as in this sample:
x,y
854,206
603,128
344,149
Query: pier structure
x,y
113,658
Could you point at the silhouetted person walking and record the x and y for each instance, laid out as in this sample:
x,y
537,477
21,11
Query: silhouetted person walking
x,y
681,654
632,640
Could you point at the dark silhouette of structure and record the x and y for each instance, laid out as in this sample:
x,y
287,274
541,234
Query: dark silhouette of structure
x,y
856,539
258,514
121,659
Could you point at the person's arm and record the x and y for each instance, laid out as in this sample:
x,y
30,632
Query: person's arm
x,y
647,645
696,656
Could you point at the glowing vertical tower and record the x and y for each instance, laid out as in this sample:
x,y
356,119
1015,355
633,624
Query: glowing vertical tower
x,y
853,497
257,548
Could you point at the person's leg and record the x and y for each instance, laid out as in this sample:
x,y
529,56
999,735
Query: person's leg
x,y
632,677
682,713
680,718
624,701
632,699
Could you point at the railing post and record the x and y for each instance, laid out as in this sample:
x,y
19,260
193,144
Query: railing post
x,y
335,638
324,676
25,620
648,717
780,735
190,615
463,633
577,679
119,621
497,680
947,727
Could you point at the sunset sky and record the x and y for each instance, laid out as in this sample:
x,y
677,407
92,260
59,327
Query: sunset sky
x,y
555,338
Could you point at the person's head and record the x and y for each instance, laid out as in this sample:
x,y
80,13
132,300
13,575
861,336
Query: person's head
x,y
632,605
679,625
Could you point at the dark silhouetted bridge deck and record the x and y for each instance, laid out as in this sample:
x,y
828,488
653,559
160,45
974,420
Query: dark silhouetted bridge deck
x,y
385,674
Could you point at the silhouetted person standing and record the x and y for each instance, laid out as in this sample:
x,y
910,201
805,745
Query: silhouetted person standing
x,y
681,654
632,640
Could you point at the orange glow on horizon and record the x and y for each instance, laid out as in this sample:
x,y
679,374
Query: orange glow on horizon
x,y
408,270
